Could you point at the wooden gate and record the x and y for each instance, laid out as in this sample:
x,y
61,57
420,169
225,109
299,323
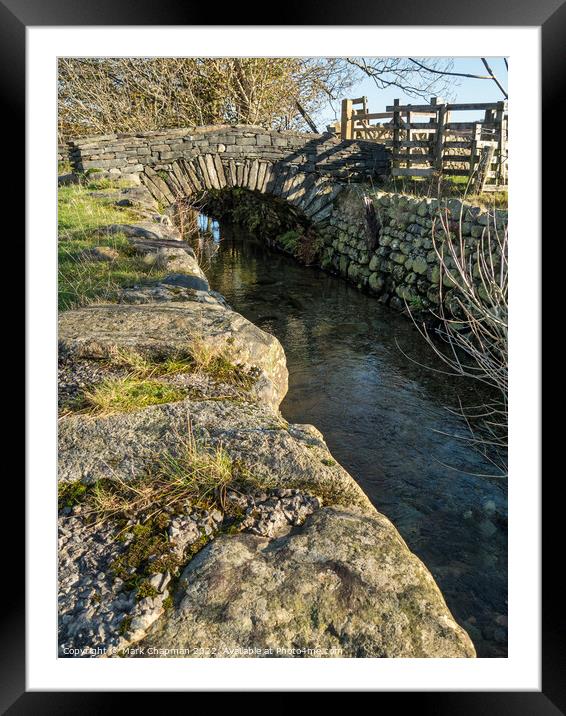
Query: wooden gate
x,y
438,145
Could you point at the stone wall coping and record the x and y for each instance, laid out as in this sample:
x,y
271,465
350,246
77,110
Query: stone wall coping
x,y
101,139
455,204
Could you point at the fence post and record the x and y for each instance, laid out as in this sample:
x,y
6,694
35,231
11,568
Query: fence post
x,y
363,134
409,137
396,123
484,167
346,122
504,152
474,150
440,122
501,140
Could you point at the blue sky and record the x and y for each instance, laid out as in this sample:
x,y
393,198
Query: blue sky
x,y
464,90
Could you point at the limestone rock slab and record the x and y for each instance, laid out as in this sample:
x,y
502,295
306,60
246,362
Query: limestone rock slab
x,y
166,328
122,446
344,583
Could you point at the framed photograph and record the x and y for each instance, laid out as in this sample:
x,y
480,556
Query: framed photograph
x,y
283,354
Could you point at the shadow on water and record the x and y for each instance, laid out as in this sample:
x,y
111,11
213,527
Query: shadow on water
x,y
384,418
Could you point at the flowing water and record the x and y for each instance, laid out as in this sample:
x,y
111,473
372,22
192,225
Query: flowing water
x,y
384,418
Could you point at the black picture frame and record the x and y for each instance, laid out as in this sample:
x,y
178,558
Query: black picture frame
x,y
550,15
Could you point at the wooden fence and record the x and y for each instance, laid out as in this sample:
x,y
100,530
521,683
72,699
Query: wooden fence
x,y
439,146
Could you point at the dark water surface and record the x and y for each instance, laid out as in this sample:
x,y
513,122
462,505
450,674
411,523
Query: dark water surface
x,y
384,419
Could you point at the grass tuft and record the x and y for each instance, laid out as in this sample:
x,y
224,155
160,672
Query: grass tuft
x,y
198,356
197,474
196,477
214,362
124,395
64,167
71,493
147,384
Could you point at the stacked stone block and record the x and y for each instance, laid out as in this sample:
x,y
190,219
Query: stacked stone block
x,y
120,154
401,264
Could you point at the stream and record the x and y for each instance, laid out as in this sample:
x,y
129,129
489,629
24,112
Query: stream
x,y
384,417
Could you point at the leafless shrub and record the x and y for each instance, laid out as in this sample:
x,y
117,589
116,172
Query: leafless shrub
x,y
470,332
186,216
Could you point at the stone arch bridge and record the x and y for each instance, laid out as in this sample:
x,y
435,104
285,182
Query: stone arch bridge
x,y
307,170
384,244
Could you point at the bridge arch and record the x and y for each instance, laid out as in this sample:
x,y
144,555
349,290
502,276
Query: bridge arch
x,y
313,195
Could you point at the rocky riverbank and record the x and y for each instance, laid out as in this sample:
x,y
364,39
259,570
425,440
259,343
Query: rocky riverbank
x,y
194,520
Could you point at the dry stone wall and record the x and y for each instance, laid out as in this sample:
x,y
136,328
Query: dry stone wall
x,y
397,259
63,153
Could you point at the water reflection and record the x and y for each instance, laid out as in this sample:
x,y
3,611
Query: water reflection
x,y
384,418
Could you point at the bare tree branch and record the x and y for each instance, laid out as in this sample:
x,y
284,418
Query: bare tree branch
x,y
493,77
139,94
451,74
403,73
472,327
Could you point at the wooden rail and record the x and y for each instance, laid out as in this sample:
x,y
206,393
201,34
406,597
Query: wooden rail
x,y
438,146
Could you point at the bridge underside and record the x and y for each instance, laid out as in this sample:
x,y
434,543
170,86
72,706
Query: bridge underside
x,y
308,170
313,194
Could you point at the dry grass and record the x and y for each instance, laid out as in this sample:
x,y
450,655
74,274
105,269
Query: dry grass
x,y
214,362
143,385
82,281
447,187
196,476
198,356
146,367
145,380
